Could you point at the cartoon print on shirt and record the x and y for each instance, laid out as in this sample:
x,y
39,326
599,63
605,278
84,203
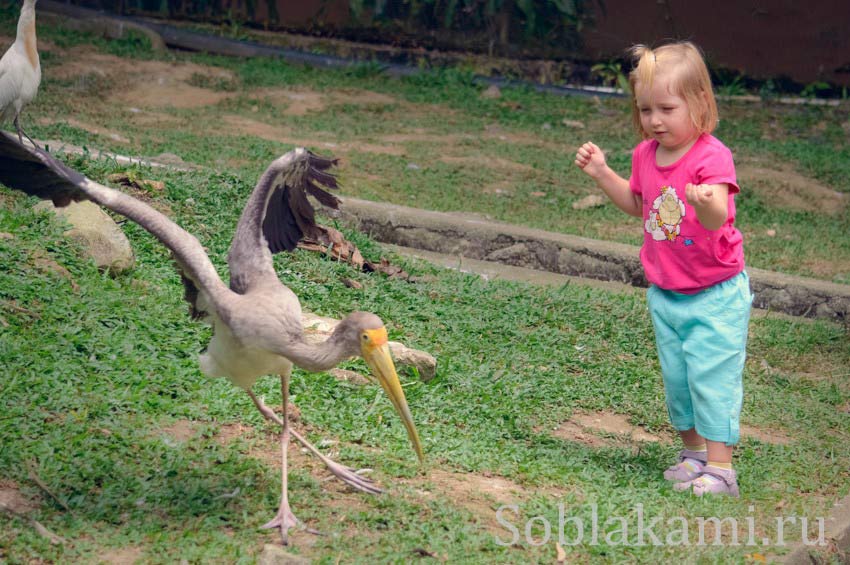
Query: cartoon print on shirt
x,y
665,215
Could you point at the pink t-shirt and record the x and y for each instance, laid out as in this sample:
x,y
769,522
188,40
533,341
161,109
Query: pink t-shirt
x,y
678,253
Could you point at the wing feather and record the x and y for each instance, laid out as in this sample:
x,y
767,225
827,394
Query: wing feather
x,y
279,214
36,172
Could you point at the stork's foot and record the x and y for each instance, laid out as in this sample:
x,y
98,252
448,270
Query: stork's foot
x,y
343,473
284,520
351,477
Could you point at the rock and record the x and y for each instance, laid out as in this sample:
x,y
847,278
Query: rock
x,y
423,362
276,555
352,377
492,92
319,328
99,235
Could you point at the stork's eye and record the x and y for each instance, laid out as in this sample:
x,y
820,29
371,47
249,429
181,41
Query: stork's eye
x,y
365,337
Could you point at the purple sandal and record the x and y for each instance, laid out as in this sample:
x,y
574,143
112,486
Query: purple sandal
x,y
689,467
713,480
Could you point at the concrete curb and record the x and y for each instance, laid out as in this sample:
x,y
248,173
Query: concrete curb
x,y
477,238
92,21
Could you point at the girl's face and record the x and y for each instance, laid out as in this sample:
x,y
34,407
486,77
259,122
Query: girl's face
x,y
664,116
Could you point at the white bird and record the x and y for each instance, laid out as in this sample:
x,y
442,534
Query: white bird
x,y
256,320
20,70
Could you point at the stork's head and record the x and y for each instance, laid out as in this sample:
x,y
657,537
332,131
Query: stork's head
x,y
368,331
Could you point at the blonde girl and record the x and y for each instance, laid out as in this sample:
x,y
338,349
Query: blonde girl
x,y
683,186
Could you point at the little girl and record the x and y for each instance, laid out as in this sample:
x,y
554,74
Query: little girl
x,y
683,185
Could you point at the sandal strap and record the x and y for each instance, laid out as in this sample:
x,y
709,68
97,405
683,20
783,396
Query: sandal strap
x,y
728,478
701,456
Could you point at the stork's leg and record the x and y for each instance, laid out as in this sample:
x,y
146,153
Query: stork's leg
x,y
343,473
284,519
22,133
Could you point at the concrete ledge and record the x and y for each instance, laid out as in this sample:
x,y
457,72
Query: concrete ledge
x,y
92,21
477,238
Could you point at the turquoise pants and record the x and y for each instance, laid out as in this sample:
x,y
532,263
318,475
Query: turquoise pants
x,y
702,341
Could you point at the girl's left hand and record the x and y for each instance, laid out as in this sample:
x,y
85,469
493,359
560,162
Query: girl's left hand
x,y
698,195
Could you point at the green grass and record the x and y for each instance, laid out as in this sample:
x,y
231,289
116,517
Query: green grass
x,y
95,370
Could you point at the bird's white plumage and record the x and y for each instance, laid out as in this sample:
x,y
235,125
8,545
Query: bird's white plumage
x,y
20,69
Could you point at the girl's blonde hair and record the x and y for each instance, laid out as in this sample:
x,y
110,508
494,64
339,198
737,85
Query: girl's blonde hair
x,y
689,79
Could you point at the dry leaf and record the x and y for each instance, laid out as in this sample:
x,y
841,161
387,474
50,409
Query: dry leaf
x,y
157,185
562,555
332,242
387,268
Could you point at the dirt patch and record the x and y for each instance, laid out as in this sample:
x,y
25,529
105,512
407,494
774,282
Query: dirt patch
x,y
181,430
497,164
121,556
295,102
782,187
302,102
147,83
481,494
765,435
585,427
265,446
12,499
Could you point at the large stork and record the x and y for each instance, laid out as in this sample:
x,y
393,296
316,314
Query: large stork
x,y
256,320
20,70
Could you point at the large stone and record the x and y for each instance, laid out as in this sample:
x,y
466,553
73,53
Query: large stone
x,y
99,235
319,328
276,555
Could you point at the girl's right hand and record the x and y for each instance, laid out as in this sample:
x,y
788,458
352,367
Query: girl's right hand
x,y
590,159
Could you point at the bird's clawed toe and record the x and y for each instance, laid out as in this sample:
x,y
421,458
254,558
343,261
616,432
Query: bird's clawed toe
x,y
352,478
284,520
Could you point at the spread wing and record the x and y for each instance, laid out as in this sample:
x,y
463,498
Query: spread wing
x,y
278,214
34,171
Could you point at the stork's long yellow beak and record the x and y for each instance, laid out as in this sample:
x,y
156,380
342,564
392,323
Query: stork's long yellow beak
x,y
376,353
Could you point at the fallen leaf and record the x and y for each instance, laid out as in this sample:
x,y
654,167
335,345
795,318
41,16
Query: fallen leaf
x,y
387,268
562,555
331,242
157,185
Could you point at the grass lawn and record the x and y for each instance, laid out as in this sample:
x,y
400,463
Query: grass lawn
x,y
111,438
